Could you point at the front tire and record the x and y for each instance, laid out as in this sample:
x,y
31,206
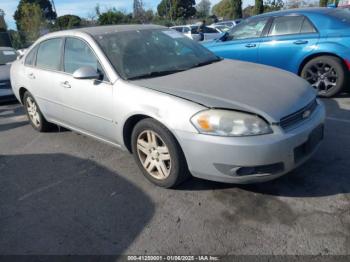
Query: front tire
x,y
327,74
36,118
158,154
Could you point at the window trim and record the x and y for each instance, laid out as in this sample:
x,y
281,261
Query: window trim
x,y
300,33
107,81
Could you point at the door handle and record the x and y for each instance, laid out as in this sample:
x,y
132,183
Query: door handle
x,y
31,76
65,84
301,42
250,45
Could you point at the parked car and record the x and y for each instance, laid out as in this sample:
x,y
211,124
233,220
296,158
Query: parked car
x,y
221,28
191,31
231,24
7,56
313,43
171,102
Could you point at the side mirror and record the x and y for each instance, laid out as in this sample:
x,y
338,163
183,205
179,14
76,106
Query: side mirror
x,y
86,72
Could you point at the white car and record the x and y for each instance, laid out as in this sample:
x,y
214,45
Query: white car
x,y
191,31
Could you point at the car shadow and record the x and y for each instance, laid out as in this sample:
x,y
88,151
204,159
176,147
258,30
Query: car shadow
x,y
62,205
325,174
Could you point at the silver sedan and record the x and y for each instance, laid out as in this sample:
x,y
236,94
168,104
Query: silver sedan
x,y
176,106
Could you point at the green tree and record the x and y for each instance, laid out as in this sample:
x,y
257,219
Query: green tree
x,y
44,5
3,26
113,17
68,21
259,7
203,8
223,9
323,3
177,9
273,5
229,9
236,9
31,22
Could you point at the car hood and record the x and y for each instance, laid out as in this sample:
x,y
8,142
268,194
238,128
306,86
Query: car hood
x,y
267,91
5,72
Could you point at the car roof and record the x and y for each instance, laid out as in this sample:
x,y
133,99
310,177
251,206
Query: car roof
x,y
99,30
309,10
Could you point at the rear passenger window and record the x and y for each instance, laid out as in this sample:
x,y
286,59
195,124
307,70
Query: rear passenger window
x,y
286,25
30,58
49,54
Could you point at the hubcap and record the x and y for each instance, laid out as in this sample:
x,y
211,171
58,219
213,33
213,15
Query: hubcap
x,y
154,154
322,77
33,112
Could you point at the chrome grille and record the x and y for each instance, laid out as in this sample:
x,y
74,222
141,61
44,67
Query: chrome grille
x,y
299,116
5,84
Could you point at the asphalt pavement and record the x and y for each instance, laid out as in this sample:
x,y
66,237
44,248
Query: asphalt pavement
x,y
64,193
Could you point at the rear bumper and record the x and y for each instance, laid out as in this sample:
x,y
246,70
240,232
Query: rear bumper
x,y
250,159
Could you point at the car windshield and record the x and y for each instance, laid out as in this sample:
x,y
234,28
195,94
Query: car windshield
x,y
7,56
153,52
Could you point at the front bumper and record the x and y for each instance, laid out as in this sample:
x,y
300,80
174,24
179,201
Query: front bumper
x,y
229,159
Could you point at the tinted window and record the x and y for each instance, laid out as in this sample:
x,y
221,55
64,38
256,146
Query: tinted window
x,y
286,25
248,29
30,58
179,29
210,30
78,54
49,54
307,27
186,29
194,29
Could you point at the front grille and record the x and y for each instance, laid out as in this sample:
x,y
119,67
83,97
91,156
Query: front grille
x,y
5,84
299,116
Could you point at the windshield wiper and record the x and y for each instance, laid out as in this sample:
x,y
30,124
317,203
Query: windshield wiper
x,y
156,74
206,63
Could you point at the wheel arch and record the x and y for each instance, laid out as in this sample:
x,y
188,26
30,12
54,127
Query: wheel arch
x,y
21,93
312,56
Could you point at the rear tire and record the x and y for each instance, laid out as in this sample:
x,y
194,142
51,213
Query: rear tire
x,y
158,154
36,118
327,74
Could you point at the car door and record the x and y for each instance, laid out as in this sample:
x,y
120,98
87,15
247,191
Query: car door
x,y
243,41
43,70
289,40
88,103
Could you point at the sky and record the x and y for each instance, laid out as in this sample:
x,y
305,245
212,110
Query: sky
x,y
81,7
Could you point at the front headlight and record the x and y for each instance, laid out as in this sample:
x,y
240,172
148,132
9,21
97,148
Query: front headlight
x,y
229,123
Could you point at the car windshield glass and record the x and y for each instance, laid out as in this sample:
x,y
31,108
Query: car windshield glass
x,y
7,56
342,14
153,52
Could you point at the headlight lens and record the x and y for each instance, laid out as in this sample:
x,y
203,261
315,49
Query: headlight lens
x,y
229,123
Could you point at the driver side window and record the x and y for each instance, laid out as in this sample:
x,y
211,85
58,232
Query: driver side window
x,y
78,54
251,29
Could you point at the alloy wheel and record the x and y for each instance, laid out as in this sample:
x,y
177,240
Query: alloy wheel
x,y
322,76
154,154
33,112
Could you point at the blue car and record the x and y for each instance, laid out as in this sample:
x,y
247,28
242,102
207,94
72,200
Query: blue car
x,y
313,43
